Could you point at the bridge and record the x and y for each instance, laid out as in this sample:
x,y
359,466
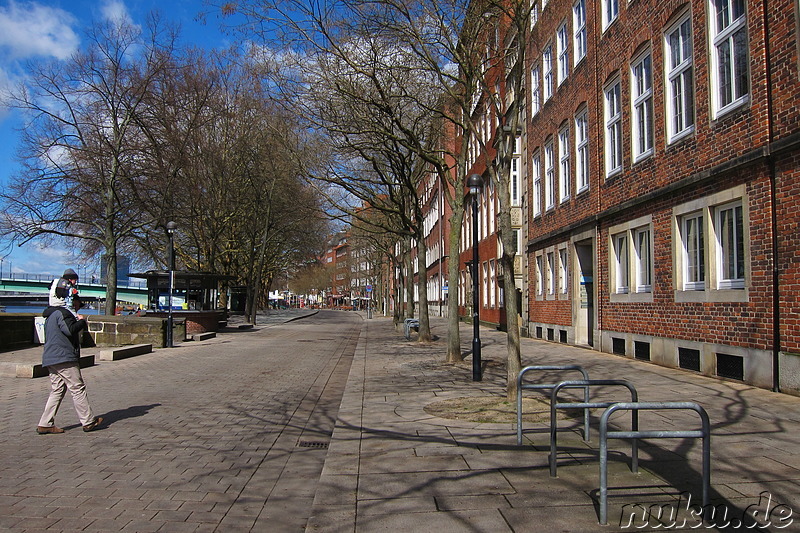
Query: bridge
x,y
35,287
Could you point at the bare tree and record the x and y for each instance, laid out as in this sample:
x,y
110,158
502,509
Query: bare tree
x,y
80,143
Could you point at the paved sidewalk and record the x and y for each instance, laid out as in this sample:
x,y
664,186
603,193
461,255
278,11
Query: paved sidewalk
x,y
393,467
32,355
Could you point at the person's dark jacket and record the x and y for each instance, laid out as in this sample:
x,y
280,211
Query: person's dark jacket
x,y
62,336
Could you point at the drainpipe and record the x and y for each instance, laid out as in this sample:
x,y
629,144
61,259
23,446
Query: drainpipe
x,y
776,310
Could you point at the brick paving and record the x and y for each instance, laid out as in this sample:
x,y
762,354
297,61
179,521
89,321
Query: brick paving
x,y
230,435
202,437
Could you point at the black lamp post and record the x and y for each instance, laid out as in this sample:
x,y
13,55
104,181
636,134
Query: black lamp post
x,y
171,227
475,184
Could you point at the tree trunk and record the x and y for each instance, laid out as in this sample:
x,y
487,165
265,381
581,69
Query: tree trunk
x,y
409,266
424,318
454,354
111,280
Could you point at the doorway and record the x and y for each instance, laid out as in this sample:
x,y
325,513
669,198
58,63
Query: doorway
x,y
583,302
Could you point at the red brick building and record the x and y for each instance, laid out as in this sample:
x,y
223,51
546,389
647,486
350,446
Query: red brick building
x,y
661,156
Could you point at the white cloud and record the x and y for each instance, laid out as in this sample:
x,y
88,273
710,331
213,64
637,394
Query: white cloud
x,y
30,29
116,11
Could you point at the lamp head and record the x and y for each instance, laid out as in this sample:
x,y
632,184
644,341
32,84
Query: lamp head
x,y
475,184
171,226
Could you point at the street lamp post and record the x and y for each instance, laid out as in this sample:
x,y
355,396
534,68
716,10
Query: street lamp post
x,y
171,227
475,184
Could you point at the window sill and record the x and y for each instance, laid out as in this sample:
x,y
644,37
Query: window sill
x,y
632,297
713,296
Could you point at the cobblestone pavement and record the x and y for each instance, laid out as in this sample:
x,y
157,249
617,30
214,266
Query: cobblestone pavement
x,y
225,435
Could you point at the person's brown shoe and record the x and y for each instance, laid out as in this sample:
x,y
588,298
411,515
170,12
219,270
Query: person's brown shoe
x,y
45,430
91,426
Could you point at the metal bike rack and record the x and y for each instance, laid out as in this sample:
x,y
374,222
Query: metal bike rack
x,y
546,386
704,433
585,405
409,323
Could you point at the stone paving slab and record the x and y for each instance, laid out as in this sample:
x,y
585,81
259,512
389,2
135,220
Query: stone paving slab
x,y
418,472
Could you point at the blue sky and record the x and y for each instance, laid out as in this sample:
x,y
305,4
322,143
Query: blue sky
x,y
52,29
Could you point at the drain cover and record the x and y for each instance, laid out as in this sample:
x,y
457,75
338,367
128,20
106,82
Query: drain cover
x,y
312,444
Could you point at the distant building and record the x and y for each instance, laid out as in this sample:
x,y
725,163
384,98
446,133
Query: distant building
x,y
123,269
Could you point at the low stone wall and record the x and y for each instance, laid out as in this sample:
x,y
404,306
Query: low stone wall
x,y
16,330
120,330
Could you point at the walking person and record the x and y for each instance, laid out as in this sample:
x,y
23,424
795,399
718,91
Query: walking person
x,y
61,356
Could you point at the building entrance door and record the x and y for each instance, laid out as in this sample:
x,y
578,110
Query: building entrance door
x,y
583,302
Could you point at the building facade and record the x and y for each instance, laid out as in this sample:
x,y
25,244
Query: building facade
x,y
661,147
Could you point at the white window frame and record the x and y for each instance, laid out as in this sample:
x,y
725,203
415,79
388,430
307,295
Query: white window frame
x,y
642,106
679,83
579,30
485,283
563,271
492,284
723,33
620,246
718,286
642,238
539,275
547,69
536,169
550,176
562,45
582,150
693,247
536,92
515,177
563,164
724,252
612,98
551,274
534,13
610,12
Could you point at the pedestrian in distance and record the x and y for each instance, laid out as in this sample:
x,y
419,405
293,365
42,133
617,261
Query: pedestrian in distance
x,y
61,356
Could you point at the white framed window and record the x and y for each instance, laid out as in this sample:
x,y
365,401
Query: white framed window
x,y
536,169
562,42
680,79
536,95
643,257
492,284
693,249
613,129
539,275
563,271
621,260
582,150
730,78
579,30
547,69
515,177
642,105
549,176
517,238
610,12
712,248
485,283
563,164
729,233
534,13
551,273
